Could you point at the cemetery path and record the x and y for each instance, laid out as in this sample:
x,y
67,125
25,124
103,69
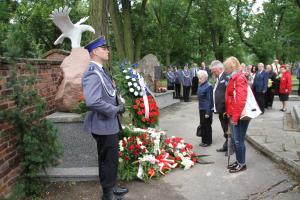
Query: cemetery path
x,y
263,180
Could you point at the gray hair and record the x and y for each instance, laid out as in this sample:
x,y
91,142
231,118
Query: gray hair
x,y
261,64
202,73
216,64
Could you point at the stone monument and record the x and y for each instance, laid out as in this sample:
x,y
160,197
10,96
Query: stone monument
x,y
149,66
73,66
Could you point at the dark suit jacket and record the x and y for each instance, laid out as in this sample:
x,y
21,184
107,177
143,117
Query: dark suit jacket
x,y
260,83
220,94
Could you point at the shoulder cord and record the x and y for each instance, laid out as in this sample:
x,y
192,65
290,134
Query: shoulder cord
x,y
112,94
187,76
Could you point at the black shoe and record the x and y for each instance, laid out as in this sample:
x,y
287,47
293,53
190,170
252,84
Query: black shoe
x,y
221,149
238,168
120,191
108,194
232,166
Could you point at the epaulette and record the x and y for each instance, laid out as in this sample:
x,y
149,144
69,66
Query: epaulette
x,y
91,68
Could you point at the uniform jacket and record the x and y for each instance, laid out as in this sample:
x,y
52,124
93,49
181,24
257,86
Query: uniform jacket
x,y
170,76
205,97
101,119
178,77
285,86
220,94
186,77
235,104
260,82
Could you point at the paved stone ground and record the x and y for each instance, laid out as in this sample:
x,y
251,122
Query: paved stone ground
x,y
263,179
273,134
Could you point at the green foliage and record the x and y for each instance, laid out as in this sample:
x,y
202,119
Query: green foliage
x,y
176,31
30,31
37,139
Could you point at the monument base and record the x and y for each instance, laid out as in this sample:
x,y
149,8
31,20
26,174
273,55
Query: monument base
x,y
79,161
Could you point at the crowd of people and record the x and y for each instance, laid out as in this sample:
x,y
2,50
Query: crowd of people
x,y
228,96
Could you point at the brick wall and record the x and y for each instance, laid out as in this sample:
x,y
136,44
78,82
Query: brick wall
x,y
48,77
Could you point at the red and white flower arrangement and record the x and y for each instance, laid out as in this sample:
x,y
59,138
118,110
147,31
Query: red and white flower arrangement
x,y
149,153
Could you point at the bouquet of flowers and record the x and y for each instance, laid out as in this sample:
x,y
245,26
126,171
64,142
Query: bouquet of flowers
x,y
139,99
151,120
149,153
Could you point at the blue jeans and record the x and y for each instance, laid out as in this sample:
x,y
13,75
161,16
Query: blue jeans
x,y
238,136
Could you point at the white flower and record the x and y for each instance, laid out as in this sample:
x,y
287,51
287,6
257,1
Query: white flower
x,y
136,93
131,90
148,158
138,88
134,72
135,84
127,77
121,145
187,163
125,71
138,141
129,84
133,79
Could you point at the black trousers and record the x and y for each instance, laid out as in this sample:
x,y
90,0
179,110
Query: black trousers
x,y
107,146
206,129
186,93
177,90
195,83
224,125
260,99
170,87
269,98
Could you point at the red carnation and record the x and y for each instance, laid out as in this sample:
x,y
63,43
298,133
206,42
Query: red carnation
x,y
139,113
138,101
135,107
126,158
136,153
131,147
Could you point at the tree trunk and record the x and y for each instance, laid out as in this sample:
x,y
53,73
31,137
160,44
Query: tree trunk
x,y
139,37
128,41
168,57
117,27
99,17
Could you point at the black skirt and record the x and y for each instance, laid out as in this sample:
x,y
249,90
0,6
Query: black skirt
x,y
283,97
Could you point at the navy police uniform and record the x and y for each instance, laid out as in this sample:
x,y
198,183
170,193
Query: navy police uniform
x,y
102,120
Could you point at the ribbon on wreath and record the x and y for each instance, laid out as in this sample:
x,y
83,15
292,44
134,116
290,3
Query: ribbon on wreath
x,y
145,97
164,163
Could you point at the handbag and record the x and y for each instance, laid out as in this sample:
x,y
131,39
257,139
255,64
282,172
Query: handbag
x,y
251,109
199,132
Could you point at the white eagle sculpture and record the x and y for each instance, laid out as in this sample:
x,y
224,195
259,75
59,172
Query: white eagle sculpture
x,y
61,19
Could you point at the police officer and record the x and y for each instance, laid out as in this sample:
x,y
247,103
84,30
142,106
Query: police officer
x,y
102,118
186,81
170,76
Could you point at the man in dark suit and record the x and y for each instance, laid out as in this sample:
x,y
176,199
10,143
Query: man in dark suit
x,y
260,86
101,121
217,70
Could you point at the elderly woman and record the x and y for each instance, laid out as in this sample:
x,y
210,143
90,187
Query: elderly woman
x,y
285,87
205,98
235,100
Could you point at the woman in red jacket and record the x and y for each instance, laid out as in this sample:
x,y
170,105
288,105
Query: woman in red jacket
x,y
235,100
285,86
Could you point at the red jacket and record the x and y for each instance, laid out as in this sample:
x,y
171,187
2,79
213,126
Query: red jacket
x,y
285,86
235,104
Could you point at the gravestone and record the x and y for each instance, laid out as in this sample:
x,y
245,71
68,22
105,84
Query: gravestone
x,y
147,66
